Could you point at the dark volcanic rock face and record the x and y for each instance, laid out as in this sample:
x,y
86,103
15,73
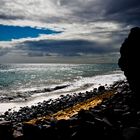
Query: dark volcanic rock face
x,y
129,60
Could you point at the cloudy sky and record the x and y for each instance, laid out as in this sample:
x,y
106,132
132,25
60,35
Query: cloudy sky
x,y
78,31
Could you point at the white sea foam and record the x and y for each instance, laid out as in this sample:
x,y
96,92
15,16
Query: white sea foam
x,y
80,85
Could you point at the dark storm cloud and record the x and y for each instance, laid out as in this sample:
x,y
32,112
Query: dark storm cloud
x,y
65,47
9,17
120,11
123,11
122,5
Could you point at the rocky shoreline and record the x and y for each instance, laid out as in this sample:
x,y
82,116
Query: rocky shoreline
x,y
114,118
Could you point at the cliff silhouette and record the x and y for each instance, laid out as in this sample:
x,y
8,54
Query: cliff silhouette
x,y
129,59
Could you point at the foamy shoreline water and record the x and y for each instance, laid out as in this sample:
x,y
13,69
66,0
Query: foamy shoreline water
x,y
95,82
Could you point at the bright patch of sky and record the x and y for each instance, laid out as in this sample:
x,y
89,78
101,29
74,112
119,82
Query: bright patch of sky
x,y
8,33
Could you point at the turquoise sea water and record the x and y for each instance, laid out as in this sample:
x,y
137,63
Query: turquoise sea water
x,y
18,81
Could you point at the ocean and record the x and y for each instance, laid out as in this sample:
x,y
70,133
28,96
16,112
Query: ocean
x,y
20,83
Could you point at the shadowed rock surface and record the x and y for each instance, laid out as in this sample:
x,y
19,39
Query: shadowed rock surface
x,y
130,57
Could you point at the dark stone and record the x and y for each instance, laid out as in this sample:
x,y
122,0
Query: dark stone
x,y
6,130
60,87
101,88
85,115
30,131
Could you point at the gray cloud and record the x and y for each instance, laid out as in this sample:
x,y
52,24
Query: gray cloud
x,y
53,11
121,14
121,11
125,11
9,17
122,5
65,47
